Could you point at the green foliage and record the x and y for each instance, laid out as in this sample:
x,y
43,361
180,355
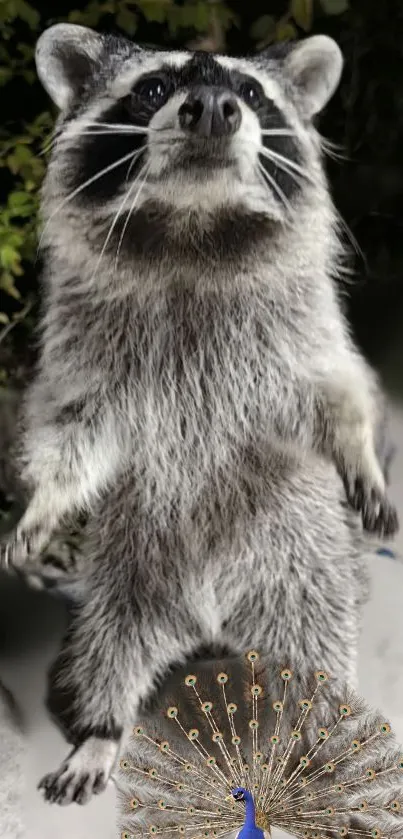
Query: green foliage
x,y
205,23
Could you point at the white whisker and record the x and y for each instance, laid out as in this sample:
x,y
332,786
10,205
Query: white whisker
x,y
134,161
113,225
145,169
83,186
286,164
134,129
278,132
270,180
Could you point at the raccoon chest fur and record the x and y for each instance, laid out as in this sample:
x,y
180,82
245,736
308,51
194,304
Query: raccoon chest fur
x,y
192,378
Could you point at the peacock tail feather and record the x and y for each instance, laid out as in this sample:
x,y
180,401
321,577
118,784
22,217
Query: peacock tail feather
x,y
317,762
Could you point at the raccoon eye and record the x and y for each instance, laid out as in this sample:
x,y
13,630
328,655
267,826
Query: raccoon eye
x,y
153,91
252,95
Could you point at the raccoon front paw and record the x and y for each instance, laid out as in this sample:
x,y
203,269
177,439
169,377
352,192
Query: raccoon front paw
x,y
368,497
85,773
21,546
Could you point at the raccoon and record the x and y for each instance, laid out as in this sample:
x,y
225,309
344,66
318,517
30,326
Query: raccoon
x,y
198,391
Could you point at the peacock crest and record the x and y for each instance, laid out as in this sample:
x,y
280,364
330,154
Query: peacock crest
x,y
248,747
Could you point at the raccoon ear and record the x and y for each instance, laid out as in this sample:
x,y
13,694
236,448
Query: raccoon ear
x,y
66,55
314,68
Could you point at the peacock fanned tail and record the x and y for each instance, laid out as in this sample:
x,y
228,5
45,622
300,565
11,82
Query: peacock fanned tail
x,y
315,760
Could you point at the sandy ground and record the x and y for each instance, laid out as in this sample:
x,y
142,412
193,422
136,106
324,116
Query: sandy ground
x,y
33,625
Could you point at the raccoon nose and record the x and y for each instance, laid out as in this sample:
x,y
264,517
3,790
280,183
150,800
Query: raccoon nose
x,y
208,112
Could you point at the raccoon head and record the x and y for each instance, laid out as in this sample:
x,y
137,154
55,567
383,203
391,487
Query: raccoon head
x,y
146,133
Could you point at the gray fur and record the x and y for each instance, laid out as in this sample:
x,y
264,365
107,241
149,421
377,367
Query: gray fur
x,y
12,783
198,393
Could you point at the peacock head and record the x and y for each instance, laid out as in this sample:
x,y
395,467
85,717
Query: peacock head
x,y
241,794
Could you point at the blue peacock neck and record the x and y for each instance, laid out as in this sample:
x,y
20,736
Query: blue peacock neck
x,y
250,812
249,830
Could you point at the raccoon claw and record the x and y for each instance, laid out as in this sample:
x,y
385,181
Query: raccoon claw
x,y
65,787
378,515
22,546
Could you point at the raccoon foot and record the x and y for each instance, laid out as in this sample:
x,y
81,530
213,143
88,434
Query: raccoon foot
x,y
366,493
85,773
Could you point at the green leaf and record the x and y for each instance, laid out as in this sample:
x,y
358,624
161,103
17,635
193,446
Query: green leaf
x,y
201,17
7,285
334,7
302,12
9,257
127,21
286,32
263,27
6,73
154,11
28,14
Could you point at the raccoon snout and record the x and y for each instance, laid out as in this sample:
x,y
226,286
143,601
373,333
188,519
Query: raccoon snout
x,y
210,112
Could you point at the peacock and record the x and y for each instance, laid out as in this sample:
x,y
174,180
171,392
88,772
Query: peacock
x,y
242,746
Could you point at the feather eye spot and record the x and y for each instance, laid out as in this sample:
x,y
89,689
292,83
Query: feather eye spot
x,y
232,708
355,745
256,690
305,705
253,724
217,736
330,811
376,833
138,730
252,656
222,678
304,760
296,735
385,728
343,831
207,707
286,674
395,806
274,739
134,804
193,734
172,712
190,680
126,835
164,746
370,774
152,773
321,676
345,710
211,761
125,765
363,805
258,756
323,734
339,788
330,767
236,740
277,706
153,829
